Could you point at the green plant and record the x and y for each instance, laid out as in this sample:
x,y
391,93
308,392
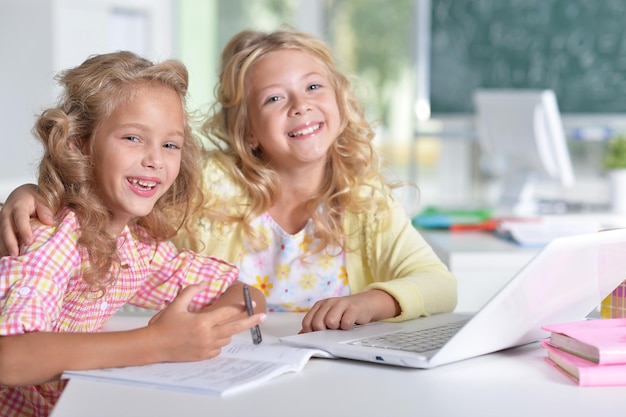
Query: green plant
x,y
615,157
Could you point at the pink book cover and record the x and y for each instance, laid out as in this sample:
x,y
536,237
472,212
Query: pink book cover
x,y
584,372
605,339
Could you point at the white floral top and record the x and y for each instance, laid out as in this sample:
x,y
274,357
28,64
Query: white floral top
x,y
290,282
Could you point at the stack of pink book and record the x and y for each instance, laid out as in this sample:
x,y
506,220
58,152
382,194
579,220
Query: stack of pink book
x,y
590,352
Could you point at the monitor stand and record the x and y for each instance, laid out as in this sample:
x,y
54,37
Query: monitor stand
x,y
517,195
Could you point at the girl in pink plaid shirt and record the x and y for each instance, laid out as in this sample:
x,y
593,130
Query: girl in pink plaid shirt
x,y
120,168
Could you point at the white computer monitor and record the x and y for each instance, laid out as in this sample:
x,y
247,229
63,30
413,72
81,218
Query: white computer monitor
x,y
521,135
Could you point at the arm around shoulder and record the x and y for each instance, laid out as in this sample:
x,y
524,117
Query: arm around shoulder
x,y
15,215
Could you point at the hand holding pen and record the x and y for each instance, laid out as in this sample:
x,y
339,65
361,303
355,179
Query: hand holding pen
x,y
256,330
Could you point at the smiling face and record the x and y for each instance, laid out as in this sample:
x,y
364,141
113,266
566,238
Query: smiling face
x,y
137,152
292,109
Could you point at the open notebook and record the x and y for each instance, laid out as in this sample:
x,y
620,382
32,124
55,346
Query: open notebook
x,y
565,281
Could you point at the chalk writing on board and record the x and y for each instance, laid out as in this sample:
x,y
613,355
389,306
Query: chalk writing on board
x,y
575,47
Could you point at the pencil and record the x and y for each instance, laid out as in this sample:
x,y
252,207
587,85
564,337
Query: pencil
x,y
254,331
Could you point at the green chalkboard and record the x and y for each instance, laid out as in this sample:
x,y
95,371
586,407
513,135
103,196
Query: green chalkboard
x,y
575,47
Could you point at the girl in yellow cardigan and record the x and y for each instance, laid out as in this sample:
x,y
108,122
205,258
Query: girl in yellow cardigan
x,y
297,199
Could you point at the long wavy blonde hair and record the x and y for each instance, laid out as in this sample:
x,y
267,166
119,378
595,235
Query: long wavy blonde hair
x,y
353,179
92,91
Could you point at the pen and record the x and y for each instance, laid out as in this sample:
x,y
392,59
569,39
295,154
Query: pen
x,y
255,331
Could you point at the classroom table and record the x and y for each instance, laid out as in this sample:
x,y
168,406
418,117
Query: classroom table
x,y
514,382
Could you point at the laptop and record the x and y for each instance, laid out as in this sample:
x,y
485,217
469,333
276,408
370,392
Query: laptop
x,y
565,281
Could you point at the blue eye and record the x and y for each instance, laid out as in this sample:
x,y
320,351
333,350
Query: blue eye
x,y
272,99
171,146
315,86
132,138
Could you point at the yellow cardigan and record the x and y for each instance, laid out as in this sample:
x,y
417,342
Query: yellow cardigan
x,y
388,253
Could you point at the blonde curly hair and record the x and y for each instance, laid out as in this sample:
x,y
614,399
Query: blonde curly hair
x,y
353,179
92,91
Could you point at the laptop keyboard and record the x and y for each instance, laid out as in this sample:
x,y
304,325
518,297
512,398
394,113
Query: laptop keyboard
x,y
418,341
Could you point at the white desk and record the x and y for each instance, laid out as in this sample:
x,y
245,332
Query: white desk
x,y
512,383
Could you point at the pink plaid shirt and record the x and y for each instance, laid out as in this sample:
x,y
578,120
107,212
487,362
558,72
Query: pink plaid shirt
x,y
42,290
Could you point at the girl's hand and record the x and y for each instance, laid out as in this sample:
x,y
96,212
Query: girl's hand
x,y
15,215
174,335
188,336
345,312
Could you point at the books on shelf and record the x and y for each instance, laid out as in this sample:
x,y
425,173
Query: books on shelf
x,y
240,365
455,219
600,341
584,372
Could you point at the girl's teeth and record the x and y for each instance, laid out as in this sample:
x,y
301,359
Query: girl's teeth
x,y
306,131
143,184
